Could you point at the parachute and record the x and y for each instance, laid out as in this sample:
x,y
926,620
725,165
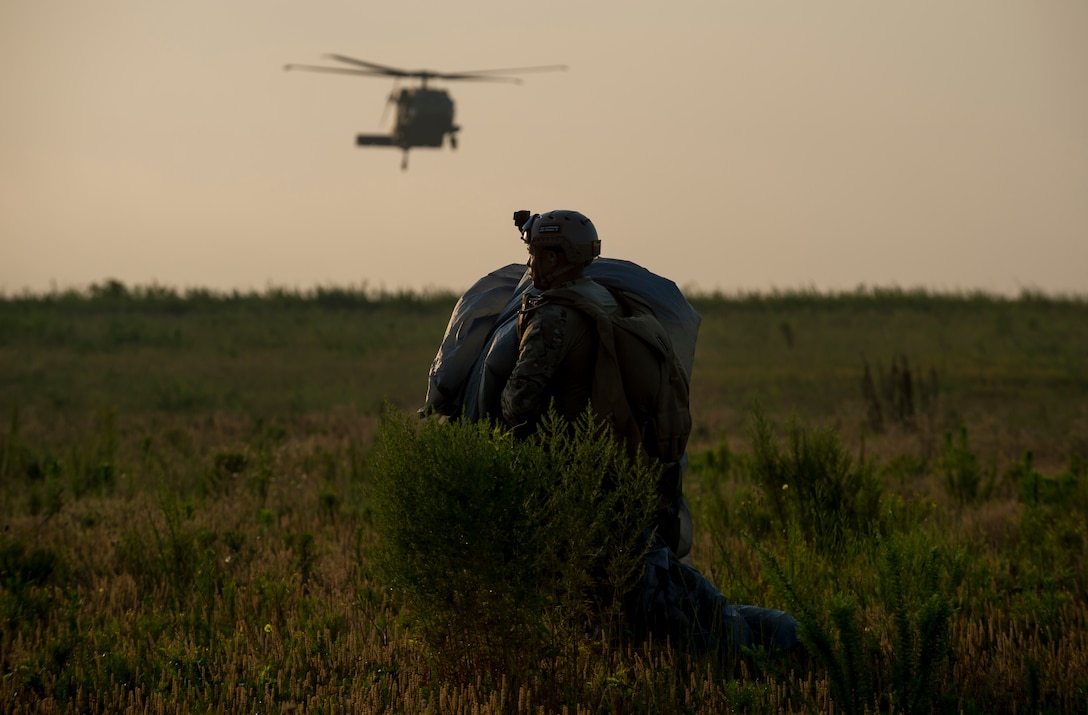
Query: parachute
x,y
480,345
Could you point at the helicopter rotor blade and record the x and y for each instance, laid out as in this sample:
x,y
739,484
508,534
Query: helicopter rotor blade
x,y
472,77
511,70
372,69
494,75
379,69
333,70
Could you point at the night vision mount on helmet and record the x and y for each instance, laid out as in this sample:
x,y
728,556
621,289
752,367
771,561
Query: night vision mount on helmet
x,y
568,232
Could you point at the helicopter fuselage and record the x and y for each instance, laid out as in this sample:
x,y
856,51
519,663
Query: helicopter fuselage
x,y
424,118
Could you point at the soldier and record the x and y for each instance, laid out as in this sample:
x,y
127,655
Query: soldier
x,y
558,350
556,361
558,345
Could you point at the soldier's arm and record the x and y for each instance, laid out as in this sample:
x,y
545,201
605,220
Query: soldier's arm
x,y
526,394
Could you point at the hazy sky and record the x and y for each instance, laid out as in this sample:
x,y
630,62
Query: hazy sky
x,y
726,144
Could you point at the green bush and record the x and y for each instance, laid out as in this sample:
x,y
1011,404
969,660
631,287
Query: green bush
x,y
506,551
812,484
28,576
899,663
963,475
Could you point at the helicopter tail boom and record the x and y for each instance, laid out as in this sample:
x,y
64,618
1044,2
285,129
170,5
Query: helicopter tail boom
x,y
373,140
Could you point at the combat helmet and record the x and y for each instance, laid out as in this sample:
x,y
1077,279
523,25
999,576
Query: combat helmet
x,y
569,232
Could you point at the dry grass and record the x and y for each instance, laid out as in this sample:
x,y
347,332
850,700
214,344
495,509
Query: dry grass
x,y
224,565
262,625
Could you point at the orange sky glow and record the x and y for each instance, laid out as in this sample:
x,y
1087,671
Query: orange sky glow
x,y
732,146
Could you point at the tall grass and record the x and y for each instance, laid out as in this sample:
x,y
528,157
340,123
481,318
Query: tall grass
x,y
264,593
189,521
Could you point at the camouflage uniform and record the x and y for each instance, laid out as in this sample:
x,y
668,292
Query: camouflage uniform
x,y
557,361
557,355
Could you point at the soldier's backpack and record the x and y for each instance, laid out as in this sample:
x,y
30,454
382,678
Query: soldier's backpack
x,y
640,386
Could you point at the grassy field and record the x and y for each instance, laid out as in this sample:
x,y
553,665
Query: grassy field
x,y
186,526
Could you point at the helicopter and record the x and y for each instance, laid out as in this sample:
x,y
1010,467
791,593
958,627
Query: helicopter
x,y
424,115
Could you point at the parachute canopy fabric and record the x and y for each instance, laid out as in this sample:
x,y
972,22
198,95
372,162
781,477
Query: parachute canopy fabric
x,y
471,324
479,348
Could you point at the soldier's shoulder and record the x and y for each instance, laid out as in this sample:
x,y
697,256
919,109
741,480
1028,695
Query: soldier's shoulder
x,y
553,311
582,290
